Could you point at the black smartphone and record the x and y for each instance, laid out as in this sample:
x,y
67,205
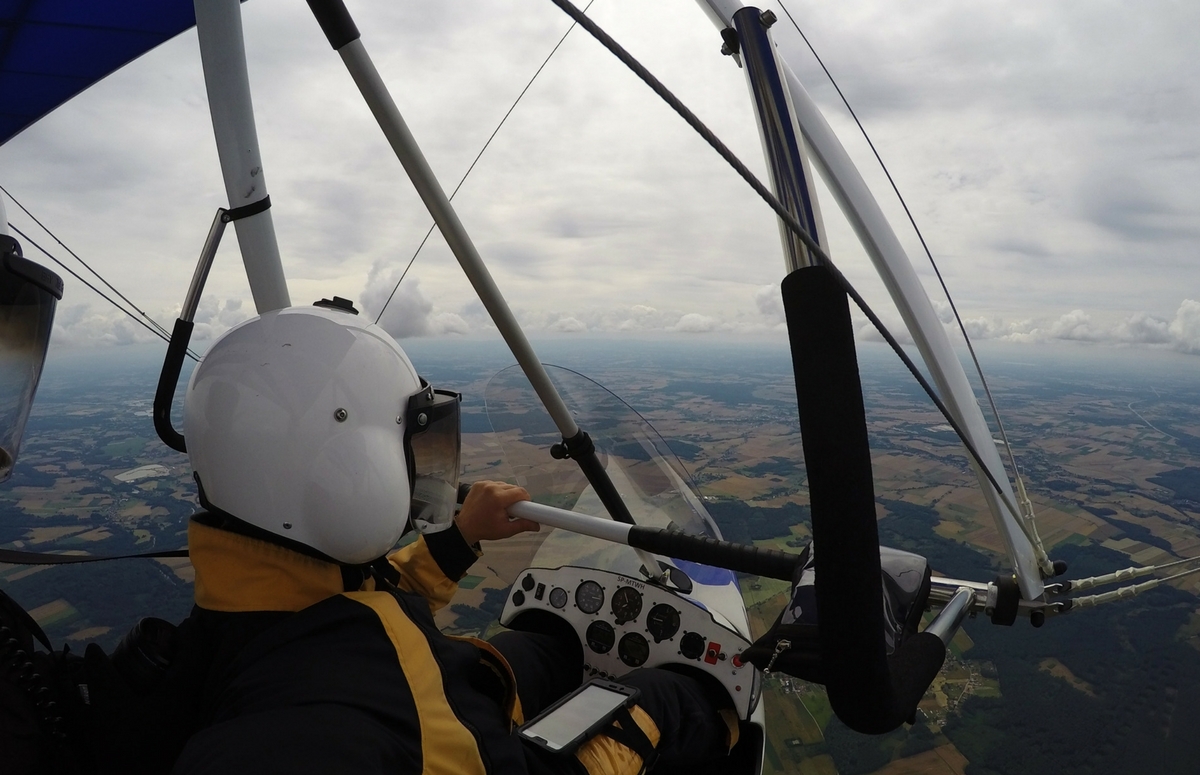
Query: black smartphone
x,y
576,718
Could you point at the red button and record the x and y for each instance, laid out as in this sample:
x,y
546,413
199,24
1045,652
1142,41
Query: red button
x,y
737,660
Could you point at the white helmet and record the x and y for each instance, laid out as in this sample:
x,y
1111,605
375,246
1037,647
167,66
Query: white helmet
x,y
311,424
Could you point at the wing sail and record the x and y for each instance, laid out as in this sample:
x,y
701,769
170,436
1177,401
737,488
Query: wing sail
x,y
52,50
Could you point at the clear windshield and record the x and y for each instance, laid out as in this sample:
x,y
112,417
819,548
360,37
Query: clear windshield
x,y
654,485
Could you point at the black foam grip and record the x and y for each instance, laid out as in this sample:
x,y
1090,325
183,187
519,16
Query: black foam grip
x,y
838,459
164,396
710,551
335,21
912,669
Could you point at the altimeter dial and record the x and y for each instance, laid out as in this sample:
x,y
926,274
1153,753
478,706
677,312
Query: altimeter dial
x,y
626,604
589,597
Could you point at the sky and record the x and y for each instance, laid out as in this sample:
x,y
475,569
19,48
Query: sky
x,y
1048,151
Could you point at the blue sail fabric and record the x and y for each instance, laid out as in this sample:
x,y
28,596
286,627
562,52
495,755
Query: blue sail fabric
x,y
51,50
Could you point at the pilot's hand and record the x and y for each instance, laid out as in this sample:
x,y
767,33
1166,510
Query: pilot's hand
x,y
484,513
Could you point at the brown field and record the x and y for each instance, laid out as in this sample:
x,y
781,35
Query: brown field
x,y
1059,670
53,612
42,534
88,633
943,760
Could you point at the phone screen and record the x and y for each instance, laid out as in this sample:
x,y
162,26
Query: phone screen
x,y
576,716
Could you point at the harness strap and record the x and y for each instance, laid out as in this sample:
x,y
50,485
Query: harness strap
x,y
626,731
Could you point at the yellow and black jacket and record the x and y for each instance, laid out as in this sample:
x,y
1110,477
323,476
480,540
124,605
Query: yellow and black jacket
x,y
302,675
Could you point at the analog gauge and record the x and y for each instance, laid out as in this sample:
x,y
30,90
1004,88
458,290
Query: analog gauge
x,y
633,649
626,604
558,597
662,622
600,637
589,597
691,645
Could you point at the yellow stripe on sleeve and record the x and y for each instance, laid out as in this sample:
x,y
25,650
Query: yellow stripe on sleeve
x,y
447,746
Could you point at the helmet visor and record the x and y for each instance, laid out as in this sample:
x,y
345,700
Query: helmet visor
x,y
28,295
432,445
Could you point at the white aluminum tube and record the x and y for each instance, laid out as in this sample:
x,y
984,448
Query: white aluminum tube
x,y
596,527
720,12
584,524
223,56
890,260
375,92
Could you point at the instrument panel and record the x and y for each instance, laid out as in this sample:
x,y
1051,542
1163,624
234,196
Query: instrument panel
x,y
627,623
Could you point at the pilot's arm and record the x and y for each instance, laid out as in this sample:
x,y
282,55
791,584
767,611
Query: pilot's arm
x,y
432,565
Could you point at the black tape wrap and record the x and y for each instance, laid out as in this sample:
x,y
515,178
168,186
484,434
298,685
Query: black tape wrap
x,y
335,21
164,396
709,551
1008,601
245,211
867,693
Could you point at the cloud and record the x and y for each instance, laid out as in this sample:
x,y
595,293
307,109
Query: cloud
x,y
769,303
409,313
568,325
1185,328
83,326
1142,328
1181,333
447,323
216,316
695,323
1076,325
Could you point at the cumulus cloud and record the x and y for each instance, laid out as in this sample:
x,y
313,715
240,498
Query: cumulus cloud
x,y
409,313
86,325
769,303
695,323
1143,328
641,317
1185,328
447,323
1180,333
1076,325
568,325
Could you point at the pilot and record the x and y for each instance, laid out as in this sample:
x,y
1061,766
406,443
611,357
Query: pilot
x,y
312,646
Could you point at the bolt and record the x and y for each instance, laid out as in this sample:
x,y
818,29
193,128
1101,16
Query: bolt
x,y
422,419
340,415
768,18
287,525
